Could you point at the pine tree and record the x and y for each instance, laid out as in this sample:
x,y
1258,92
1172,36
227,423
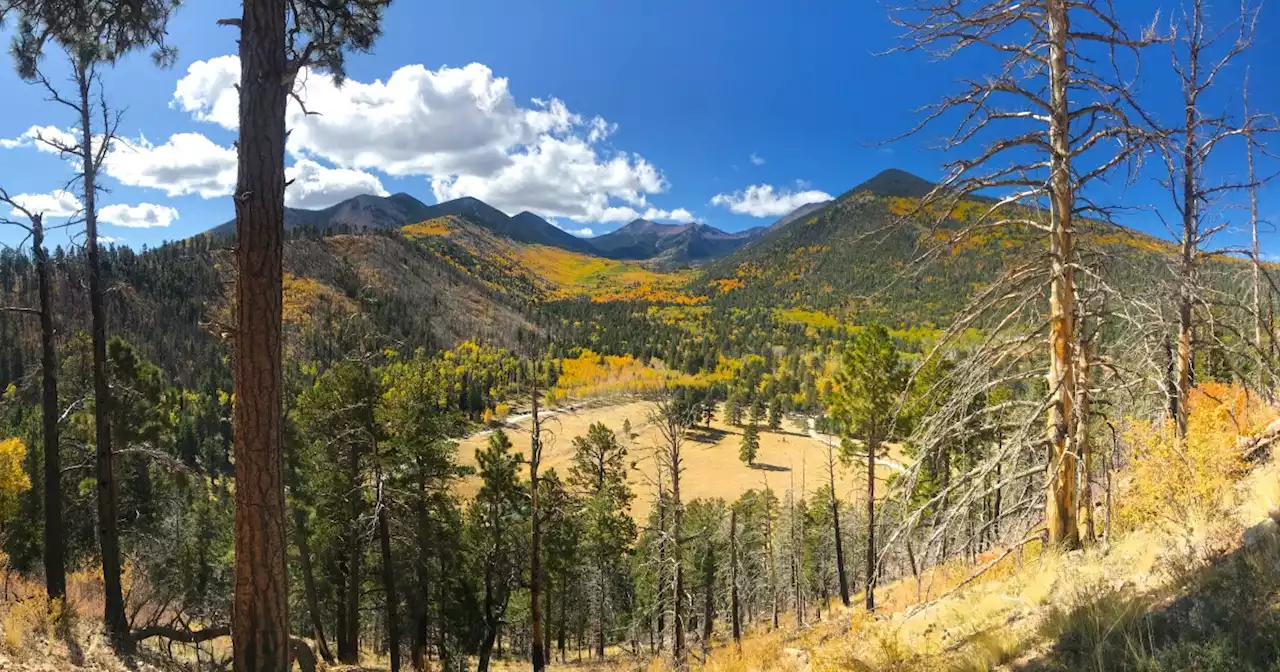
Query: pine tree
x,y
599,473
871,381
750,445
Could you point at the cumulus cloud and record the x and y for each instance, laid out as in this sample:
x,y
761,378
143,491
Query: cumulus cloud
x,y
678,215
58,203
756,159
187,163
49,139
141,216
316,186
460,127
761,200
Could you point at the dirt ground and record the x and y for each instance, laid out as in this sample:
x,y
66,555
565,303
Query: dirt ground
x,y
712,467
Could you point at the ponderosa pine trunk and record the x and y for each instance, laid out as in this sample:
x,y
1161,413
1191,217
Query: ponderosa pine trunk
x,y
260,615
55,572
1061,498
108,512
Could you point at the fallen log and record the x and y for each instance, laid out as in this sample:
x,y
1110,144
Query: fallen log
x,y
1253,448
302,653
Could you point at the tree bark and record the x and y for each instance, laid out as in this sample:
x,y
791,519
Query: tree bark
x,y
260,615
55,572
1060,506
108,513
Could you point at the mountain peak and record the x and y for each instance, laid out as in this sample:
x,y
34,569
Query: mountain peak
x,y
895,182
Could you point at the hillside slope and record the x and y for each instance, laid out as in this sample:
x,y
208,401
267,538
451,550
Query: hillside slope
x,y
853,258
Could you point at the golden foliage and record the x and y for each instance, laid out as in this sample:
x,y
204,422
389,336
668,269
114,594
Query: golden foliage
x,y
572,274
303,296
594,375
13,480
726,285
1190,482
432,227
809,318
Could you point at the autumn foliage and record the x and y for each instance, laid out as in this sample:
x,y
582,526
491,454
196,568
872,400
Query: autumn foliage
x,y
1185,484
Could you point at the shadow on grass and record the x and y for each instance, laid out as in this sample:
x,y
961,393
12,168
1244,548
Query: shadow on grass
x,y
707,434
1219,617
763,466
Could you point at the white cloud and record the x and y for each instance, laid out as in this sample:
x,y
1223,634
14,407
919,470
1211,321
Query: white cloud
x,y
59,203
760,200
678,215
316,186
461,127
43,138
208,91
756,159
188,163
141,216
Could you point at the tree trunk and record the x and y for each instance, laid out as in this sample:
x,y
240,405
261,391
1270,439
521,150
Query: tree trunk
x,y
309,584
55,572
389,583
835,527
733,576
535,560
486,649
1263,377
108,531
873,445
349,636
260,616
1060,506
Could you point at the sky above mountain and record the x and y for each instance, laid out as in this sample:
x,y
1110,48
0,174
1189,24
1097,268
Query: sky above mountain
x,y
588,113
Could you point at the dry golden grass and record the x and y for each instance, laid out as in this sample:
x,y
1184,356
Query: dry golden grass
x,y
712,467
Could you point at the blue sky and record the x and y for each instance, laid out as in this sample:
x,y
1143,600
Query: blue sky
x,y
716,110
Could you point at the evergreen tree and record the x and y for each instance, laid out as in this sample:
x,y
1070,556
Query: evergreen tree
x,y
871,380
599,473
750,445
496,521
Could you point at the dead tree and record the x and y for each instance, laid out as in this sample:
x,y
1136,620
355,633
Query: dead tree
x,y
1035,133
1188,150
673,415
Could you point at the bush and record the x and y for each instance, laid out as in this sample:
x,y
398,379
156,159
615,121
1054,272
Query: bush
x,y
1187,483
